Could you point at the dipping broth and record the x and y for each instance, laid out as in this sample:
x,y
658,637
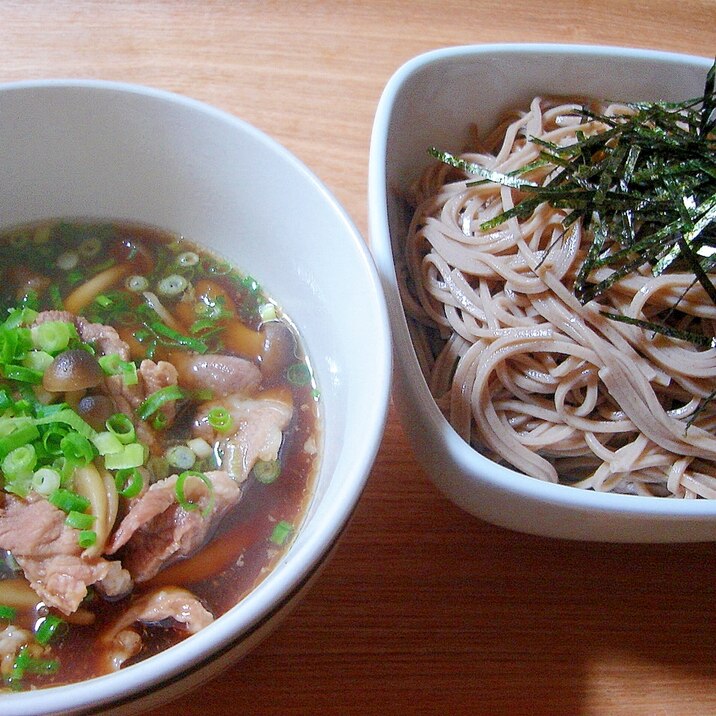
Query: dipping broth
x,y
159,435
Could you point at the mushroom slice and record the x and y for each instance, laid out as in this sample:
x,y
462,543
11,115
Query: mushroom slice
x,y
72,370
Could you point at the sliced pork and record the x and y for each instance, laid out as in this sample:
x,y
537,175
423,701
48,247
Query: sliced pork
x,y
151,377
168,603
221,374
157,529
59,571
256,432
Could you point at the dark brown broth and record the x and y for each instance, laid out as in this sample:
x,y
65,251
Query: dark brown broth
x,y
247,552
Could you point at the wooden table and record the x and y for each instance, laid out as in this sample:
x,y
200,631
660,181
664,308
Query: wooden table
x,y
423,610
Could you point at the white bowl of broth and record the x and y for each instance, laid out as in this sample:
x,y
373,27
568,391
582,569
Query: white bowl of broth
x,y
206,245
451,99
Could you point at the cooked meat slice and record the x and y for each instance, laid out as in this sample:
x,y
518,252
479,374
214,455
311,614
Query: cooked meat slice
x,y
34,531
168,603
256,433
222,374
104,338
152,376
158,530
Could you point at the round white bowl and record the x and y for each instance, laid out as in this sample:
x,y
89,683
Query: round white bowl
x,y
113,151
430,101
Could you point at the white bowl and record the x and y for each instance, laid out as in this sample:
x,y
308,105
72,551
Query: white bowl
x,y
430,101
113,151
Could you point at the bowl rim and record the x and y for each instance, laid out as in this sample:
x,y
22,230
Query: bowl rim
x,y
303,559
476,467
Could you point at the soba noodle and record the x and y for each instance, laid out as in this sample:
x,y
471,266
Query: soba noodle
x,y
521,368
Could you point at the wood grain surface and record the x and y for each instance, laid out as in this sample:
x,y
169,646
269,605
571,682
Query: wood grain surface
x,y
423,609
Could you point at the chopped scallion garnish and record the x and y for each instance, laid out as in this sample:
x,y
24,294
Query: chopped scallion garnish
x,y
79,520
131,455
187,503
120,425
68,501
7,613
266,471
129,482
157,399
281,532
220,419
49,628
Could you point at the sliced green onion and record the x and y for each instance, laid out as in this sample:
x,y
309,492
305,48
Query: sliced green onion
x,y
68,501
129,373
266,471
107,443
129,482
86,538
20,317
66,468
159,421
281,532
56,298
159,398
298,374
24,375
132,455
181,456
187,503
19,462
79,520
51,439
103,301
30,300
52,336
74,276
220,419
37,360
21,434
7,613
46,480
267,312
172,285
193,344
136,283
49,628
187,258
113,364
69,417
122,427
5,400
25,662
202,324
77,448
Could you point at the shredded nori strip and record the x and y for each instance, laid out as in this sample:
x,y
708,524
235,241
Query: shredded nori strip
x,y
645,189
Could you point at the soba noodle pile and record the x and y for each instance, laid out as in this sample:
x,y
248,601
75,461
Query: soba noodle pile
x,y
525,372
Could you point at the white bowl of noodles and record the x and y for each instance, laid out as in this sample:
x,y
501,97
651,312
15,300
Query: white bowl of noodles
x,y
108,152
459,310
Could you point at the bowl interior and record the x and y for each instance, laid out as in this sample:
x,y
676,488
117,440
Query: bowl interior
x,y
431,101
102,150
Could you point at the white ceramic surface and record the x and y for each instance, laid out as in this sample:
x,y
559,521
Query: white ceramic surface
x,y
111,151
430,101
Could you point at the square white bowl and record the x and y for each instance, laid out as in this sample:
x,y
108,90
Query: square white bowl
x,y
430,101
